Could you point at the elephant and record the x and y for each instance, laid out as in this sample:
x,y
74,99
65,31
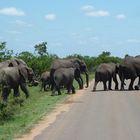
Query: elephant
x,y
129,68
45,80
106,72
64,77
12,78
68,63
12,63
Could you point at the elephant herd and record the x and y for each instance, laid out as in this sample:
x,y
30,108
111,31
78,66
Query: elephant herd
x,y
62,73
129,68
15,73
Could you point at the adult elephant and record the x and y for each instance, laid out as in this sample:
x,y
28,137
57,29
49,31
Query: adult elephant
x,y
13,77
45,80
63,77
129,69
70,63
106,72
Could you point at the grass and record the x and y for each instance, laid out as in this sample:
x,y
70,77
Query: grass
x,y
29,112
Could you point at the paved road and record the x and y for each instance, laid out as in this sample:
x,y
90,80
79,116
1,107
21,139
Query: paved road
x,y
102,115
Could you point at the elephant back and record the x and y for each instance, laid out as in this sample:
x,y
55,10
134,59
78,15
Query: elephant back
x,y
61,63
12,63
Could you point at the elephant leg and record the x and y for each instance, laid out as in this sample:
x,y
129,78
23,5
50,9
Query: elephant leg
x,y
69,90
44,86
137,87
5,93
109,84
53,91
104,83
95,84
16,92
116,82
131,84
73,89
79,82
82,83
24,89
41,86
68,86
122,84
122,78
58,90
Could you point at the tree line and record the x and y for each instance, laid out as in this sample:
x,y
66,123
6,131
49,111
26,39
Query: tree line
x,y
40,60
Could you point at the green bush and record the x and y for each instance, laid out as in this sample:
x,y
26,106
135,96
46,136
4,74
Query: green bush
x,y
8,109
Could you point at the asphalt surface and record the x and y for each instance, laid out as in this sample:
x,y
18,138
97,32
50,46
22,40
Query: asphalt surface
x,y
100,115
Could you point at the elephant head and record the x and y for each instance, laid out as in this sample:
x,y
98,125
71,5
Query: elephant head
x,y
26,73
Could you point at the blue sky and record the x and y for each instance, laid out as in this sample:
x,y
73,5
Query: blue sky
x,y
85,27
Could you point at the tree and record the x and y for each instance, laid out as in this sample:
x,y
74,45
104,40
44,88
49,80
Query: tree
x,y
4,52
41,48
105,54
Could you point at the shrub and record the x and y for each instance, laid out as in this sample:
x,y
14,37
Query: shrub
x,y
8,110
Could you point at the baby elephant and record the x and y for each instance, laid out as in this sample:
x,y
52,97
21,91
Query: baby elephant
x,y
64,77
45,80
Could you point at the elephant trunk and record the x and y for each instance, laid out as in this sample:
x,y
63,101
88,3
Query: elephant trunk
x,y
87,79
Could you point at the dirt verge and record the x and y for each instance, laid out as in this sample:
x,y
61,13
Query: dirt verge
x,y
50,118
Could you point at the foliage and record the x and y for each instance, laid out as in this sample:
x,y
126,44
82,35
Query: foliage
x,y
41,48
4,52
93,62
41,61
8,110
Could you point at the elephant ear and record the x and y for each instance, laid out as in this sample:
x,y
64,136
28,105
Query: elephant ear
x,y
83,68
23,72
77,73
30,74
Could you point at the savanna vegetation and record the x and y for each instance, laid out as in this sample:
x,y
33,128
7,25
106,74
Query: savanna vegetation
x,y
41,60
20,115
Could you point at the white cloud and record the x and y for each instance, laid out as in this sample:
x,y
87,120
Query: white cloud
x,y
50,17
89,10
22,23
11,11
133,41
120,16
